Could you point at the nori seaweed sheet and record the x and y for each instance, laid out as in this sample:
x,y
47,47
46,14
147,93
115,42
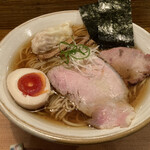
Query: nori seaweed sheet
x,y
90,16
109,23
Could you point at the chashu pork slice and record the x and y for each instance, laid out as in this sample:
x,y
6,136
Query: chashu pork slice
x,y
100,94
132,64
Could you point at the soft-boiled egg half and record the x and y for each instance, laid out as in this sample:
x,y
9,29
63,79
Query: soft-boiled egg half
x,y
29,87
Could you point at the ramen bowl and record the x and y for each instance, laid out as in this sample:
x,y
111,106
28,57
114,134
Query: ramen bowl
x,y
52,130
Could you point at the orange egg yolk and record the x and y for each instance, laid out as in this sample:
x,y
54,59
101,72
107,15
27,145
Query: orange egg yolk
x,y
32,84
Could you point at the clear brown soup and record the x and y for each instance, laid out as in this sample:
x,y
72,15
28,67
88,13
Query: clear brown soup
x,y
134,100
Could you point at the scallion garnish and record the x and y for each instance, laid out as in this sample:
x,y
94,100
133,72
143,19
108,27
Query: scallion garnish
x,y
72,50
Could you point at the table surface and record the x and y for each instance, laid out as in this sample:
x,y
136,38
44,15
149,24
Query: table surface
x,y
15,12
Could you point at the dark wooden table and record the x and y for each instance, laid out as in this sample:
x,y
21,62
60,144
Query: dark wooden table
x,y
15,12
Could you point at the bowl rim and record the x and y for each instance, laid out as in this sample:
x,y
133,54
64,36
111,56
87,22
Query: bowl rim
x,y
57,137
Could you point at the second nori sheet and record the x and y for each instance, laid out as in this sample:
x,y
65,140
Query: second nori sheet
x,y
109,23
90,16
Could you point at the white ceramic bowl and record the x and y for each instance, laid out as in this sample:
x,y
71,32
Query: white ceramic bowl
x,y
50,130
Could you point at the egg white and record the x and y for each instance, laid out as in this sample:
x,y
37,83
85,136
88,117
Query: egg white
x,y
26,101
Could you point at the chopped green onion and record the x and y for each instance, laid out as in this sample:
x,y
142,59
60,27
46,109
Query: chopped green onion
x,y
72,50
